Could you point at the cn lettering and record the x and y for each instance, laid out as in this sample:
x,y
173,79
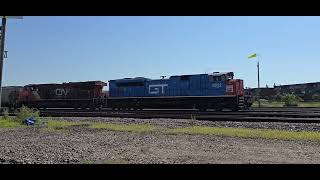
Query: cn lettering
x,y
62,92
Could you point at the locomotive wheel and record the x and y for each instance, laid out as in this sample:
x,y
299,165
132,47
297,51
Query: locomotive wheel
x,y
235,108
219,109
92,107
202,109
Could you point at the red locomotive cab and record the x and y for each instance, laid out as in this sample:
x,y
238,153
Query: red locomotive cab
x,y
29,93
234,87
98,93
23,94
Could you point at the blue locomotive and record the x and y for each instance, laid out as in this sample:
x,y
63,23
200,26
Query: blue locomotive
x,y
199,91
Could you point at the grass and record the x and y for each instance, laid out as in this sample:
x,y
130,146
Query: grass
x,y
52,125
265,103
10,123
123,127
309,104
108,161
268,104
88,162
248,133
25,113
118,161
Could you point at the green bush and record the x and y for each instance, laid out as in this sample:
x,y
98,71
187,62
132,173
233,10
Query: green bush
x,y
6,114
25,113
291,99
316,97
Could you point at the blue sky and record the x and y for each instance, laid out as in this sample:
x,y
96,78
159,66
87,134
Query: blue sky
x,y
59,49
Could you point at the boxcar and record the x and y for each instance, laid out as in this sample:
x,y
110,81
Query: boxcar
x,y
200,91
66,95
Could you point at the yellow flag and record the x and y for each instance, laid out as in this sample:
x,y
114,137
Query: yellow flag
x,y
252,56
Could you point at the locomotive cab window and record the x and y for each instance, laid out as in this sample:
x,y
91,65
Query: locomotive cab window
x,y
223,78
130,84
214,78
229,76
184,78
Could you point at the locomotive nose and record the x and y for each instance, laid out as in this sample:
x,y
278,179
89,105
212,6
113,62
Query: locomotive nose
x,y
234,87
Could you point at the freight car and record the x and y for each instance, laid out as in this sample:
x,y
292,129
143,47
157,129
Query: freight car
x,y
66,95
9,96
199,91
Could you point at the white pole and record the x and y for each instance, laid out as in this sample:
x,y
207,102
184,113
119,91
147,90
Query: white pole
x,y
258,67
2,51
3,34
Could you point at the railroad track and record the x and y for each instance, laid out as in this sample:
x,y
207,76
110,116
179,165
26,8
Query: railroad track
x,y
254,112
241,116
287,109
152,112
258,110
298,115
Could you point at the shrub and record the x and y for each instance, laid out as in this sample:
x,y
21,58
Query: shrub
x,y
291,99
316,97
25,113
6,114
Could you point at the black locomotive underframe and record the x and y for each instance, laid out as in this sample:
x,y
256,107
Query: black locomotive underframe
x,y
191,102
65,103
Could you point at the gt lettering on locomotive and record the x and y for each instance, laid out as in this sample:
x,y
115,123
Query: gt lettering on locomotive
x,y
156,88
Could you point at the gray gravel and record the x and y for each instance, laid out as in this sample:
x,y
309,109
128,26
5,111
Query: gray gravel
x,y
82,145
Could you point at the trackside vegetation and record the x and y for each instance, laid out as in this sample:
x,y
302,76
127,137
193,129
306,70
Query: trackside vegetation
x,y
286,100
58,125
248,133
17,122
123,127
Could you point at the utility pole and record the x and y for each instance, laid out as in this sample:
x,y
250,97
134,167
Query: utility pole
x,y
2,52
258,94
3,35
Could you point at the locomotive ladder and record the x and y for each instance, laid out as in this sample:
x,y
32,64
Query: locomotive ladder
x,y
241,102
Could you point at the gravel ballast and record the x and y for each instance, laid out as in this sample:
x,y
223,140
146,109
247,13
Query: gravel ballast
x,y
79,144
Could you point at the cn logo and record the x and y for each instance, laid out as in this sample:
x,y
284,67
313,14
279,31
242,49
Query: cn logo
x,y
157,88
62,92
